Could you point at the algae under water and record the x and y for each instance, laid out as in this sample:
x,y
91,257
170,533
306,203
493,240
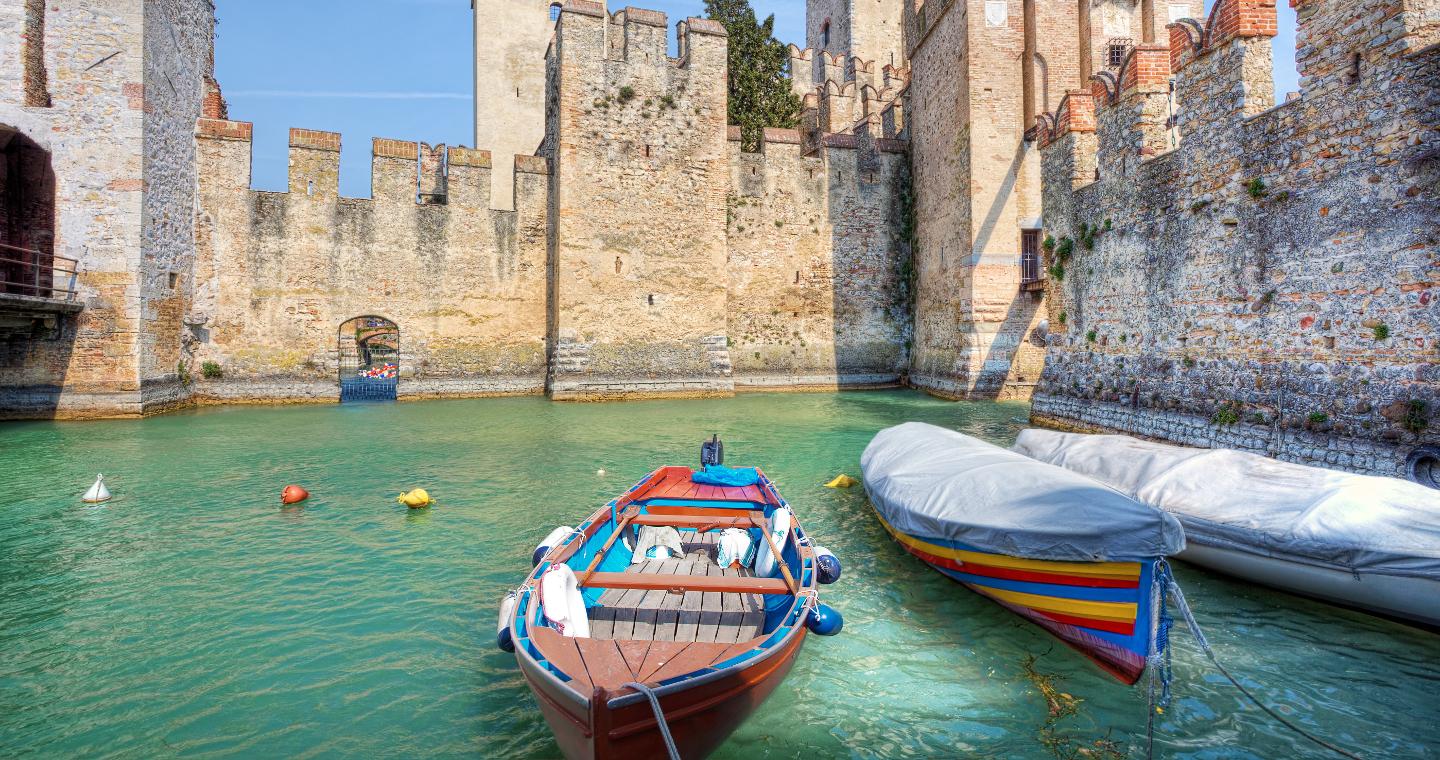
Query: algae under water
x,y
193,616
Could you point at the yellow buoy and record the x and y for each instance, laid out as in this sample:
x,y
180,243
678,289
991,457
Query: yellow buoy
x,y
842,481
415,499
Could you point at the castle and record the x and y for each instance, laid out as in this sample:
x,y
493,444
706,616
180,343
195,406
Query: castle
x,y
1094,202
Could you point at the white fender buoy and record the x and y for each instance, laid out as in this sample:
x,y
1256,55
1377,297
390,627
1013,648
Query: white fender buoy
x,y
563,603
765,565
555,537
503,637
97,492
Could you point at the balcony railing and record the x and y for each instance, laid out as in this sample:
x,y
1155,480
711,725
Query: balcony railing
x,y
1030,269
28,277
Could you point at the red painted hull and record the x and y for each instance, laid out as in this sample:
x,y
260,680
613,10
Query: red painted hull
x,y
700,718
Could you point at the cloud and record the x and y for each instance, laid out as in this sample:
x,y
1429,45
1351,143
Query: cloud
x,y
341,95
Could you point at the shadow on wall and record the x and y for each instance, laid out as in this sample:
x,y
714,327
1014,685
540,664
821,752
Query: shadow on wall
x,y
1003,351
37,336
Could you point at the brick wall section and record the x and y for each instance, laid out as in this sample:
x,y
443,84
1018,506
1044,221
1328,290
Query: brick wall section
x,y
124,203
1297,316
280,272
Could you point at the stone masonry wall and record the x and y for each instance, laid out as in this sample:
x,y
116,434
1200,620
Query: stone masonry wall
x,y
278,273
179,57
513,36
101,115
638,293
1273,283
817,276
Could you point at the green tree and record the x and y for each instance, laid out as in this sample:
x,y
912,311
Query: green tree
x,y
760,94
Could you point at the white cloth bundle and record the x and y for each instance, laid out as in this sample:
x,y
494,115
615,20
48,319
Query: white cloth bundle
x,y
657,542
735,548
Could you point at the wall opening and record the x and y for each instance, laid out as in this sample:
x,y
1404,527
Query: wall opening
x,y
27,217
369,359
555,11
37,79
1282,54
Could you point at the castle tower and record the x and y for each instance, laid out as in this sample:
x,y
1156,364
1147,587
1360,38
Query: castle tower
x,y
871,30
511,37
980,75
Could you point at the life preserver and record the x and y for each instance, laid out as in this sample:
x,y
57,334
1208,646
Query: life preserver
x,y
765,565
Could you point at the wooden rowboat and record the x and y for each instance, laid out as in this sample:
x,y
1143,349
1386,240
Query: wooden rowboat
x,y
1078,559
710,643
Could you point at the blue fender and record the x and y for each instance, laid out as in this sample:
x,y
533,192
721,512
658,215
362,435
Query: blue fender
x,y
825,620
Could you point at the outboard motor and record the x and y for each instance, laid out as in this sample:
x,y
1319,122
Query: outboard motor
x,y
712,452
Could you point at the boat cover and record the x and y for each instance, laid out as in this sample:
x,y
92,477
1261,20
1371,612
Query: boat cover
x,y
1248,502
930,482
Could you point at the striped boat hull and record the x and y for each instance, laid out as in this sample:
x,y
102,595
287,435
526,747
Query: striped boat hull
x,y
1101,609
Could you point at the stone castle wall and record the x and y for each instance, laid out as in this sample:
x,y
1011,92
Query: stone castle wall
x,y
638,291
1270,283
278,273
818,283
510,83
116,132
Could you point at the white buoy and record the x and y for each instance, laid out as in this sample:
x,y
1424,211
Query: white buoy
x,y
97,492
601,473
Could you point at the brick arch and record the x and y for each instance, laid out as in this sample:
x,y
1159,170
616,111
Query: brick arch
x,y
1239,18
1105,86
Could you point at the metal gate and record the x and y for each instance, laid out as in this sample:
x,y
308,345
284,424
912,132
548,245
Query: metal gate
x,y
369,359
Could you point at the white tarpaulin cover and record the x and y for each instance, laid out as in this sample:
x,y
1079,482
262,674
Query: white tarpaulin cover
x,y
931,482
1243,501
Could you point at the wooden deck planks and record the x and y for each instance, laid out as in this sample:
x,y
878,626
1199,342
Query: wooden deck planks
x,y
563,652
604,662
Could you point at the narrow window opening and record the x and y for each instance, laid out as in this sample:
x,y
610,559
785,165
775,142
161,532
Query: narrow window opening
x,y
825,34
174,280
1355,69
1116,51
797,276
37,84
310,187
617,265
651,299
647,151
555,11
517,92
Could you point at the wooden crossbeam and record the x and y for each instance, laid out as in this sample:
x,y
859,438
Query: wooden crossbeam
x,y
718,583
702,522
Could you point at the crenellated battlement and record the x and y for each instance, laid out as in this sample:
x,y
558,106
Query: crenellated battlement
x,y
402,171
814,70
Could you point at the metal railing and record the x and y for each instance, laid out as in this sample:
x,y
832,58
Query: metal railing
x,y
33,278
1030,269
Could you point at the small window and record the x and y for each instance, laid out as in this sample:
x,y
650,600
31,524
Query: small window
x,y
1115,56
825,34
555,11
174,280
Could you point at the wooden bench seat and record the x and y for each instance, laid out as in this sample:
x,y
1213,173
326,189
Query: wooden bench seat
x,y
655,614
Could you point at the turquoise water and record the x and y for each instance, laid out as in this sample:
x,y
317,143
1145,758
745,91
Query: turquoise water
x,y
193,616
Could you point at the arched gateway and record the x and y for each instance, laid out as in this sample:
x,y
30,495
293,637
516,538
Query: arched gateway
x,y
369,359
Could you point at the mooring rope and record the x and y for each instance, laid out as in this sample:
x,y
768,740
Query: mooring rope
x,y
659,717
1172,589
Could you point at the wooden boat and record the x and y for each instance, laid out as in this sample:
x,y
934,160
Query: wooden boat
x,y
710,643
1076,558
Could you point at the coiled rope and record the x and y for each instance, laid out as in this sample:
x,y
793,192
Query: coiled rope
x,y
1169,588
659,717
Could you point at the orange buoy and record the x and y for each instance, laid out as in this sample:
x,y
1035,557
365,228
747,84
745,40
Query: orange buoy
x,y
293,495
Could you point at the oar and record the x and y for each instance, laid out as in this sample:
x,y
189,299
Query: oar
x,y
779,560
629,514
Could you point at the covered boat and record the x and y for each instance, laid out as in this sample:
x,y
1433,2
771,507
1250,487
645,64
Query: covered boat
x,y
1073,556
639,643
1362,541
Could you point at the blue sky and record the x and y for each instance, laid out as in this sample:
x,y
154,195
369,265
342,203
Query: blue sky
x,y
403,69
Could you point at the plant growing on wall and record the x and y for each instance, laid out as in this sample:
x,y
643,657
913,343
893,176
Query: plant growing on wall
x,y
1063,316
1417,416
1382,331
1090,337
759,86
1227,414
1064,248
1256,188
211,371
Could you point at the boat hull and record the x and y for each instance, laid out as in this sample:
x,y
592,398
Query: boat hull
x,y
701,715
1414,600
1100,609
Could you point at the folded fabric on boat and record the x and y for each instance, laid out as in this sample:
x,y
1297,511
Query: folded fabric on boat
x,y
1253,503
657,542
931,482
720,475
735,548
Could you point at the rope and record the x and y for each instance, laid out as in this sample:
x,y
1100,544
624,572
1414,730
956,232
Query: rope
x,y
1174,589
659,717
